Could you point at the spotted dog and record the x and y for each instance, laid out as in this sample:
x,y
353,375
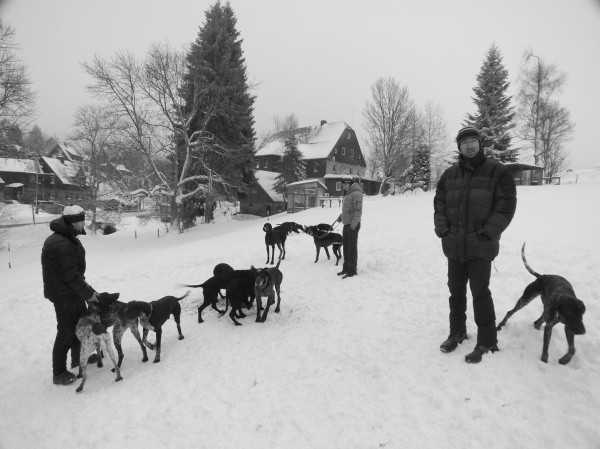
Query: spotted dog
x,y
267,283
93,336
560,306
112,313
153,315
324,239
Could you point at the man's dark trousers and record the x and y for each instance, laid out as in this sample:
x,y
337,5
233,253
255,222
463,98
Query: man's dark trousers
x,y
67,314
350,242
477,272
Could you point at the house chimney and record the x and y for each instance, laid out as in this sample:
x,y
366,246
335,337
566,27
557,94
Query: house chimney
x,y
323,122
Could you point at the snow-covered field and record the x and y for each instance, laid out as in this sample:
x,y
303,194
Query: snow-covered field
x,y
349,363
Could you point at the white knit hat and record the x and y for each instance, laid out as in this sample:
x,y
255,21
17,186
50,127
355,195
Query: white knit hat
x,y
73,214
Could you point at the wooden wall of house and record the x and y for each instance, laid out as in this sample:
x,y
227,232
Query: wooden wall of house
x,y
257,202
268,163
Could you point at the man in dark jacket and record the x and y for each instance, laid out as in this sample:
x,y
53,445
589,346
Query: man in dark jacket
x,y
474,203
350,218
63,270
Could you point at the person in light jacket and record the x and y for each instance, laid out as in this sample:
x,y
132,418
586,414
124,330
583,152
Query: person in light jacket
x,y
350,218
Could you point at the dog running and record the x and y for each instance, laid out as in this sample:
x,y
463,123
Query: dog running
x,y
560,306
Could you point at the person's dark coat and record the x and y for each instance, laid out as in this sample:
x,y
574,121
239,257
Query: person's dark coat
x,y
474,202
63,265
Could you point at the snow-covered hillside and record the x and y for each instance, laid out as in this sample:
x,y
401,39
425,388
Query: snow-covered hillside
x,y
349,363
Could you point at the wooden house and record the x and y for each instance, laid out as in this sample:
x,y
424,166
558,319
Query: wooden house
x,y
262,199
304,194
18,178
525,174
331,152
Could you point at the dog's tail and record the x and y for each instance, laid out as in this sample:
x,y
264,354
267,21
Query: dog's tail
x,y
184,296
191,286
531,270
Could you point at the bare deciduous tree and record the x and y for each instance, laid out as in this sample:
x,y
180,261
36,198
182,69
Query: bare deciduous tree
x,y
147,95
435,136
390,122
17,100
555,129
95,130
539,83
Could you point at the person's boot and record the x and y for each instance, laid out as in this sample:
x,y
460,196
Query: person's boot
x,y
64,378
452,342
341,273
349,274
477,354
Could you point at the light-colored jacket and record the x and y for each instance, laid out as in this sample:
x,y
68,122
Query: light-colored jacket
x,y
352,206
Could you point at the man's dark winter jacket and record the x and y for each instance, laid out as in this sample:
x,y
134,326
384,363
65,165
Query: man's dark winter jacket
x,y
63,265
474,202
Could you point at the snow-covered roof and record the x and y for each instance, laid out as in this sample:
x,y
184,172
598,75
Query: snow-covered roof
x,y
314,143
2,181
66,171
18,165
306,181
266,179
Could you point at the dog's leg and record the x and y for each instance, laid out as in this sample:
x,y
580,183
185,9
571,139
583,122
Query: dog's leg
x,y
538,323
531,292
327,252
571,341
136,333
338,254
270,301
207,301
258,307
86,350
158,330
282,246
105,339
318,251
272,254
547,337
117,337
176,317
99,351
145,339
277,288
232,316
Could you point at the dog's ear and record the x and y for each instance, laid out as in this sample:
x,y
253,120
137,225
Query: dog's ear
x,y
112,297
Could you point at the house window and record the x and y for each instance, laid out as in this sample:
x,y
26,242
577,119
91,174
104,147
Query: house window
x,y
343,151
52,179
334,167
335,151
333,159
349,135
338,186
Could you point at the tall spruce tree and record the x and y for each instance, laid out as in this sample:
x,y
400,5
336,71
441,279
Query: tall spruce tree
x,y
216,88
291,165
494,116
422,166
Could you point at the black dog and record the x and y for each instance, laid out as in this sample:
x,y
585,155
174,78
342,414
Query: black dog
x,y
240,293
290,226
112,313
324,239
153,315
275,236
211,288
560,306
222,268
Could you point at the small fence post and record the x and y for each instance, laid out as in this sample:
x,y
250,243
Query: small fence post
x,y
158,233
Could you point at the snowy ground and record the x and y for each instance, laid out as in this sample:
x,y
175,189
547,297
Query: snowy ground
x,y
349,363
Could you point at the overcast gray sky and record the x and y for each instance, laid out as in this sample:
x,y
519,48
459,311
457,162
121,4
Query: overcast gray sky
x,y
318,58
